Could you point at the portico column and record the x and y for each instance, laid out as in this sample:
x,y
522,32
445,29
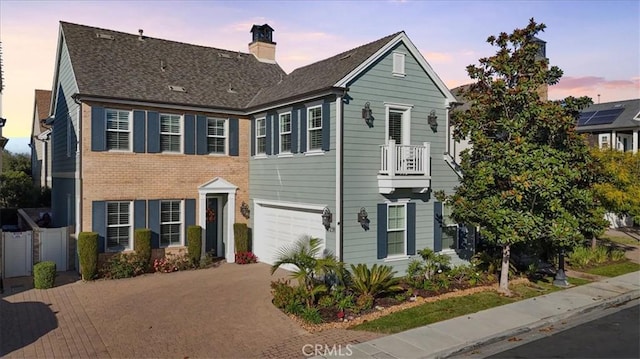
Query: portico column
x,y
231,219
202,204
614,140
635,141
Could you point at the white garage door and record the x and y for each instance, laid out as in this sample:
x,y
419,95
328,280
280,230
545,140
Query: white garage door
x,y
276,226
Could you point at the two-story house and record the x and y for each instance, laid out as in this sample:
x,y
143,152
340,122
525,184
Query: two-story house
x,y
150,133
613,125
40,139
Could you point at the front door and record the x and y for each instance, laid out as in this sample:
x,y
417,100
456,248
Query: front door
x,y
212,217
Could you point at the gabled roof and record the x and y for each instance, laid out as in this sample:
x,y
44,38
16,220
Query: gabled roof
x,y
41,105
628,119
118,65
321,75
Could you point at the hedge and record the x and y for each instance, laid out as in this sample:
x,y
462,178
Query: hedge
x,y
44,274
88,254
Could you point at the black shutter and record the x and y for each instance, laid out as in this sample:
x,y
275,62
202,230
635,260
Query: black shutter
x,y
99,223
153,132
437,226
234,137
294,130
189,216
139,214
98,129
253,137
276,134
411,228
201,135
269,132
382,230
189,134
326,126
138,131
154,223
303,130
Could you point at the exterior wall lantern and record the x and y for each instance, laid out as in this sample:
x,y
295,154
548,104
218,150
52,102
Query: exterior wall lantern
x,y
3,121
327,218
432,120
367,114
244,210
363,219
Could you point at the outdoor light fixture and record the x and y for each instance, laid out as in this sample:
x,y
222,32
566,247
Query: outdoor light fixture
x,y
367,115
244,210
363,218
327,218
432,120
3,121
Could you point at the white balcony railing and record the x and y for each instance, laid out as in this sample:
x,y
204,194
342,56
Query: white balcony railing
x,y
402,160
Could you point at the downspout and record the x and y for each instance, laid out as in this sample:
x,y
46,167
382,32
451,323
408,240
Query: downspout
x,y
78,226
339,183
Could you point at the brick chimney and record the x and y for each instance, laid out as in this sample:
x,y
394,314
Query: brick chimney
x,y
262,46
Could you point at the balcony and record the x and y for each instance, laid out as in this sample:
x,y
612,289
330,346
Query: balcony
x,y
404,166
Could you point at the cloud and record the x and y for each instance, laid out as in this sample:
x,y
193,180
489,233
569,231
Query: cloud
x,y
438,57
592,82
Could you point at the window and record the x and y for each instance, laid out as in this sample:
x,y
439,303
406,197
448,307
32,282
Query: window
x,y
314,128
285,133
118,226
216,136
170,133
398,122
118,129
604,141
398,64
395,126
261,136
449,229
170,223
396,229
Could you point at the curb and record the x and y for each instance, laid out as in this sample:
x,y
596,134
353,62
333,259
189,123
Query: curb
x,y
607,303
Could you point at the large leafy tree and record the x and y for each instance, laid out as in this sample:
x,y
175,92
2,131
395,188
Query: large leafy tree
x,y
529,175
619,191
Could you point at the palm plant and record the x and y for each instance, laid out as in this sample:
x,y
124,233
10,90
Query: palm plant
x,y
370,283
305,254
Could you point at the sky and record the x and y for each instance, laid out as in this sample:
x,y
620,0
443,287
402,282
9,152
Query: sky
x,y
595,43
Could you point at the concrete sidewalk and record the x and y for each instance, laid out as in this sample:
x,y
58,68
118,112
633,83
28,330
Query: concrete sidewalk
x,y
468,332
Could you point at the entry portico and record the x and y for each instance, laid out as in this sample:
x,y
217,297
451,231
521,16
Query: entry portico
x,y
222,216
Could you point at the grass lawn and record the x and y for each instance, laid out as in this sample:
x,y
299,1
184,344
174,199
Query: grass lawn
x,y
615,269
621,239
453,307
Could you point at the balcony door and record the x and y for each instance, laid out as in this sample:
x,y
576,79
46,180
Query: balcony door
x,y
398,123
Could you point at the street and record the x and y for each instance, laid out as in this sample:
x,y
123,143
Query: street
x,y
614,335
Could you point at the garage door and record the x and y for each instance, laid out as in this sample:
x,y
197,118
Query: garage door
x,y
277,226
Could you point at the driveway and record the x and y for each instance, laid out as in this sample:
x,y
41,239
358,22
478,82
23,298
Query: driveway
x,y
222,312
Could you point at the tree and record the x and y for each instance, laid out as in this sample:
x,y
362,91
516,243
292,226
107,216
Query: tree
x,y
16,190
529,175
20,162
619,191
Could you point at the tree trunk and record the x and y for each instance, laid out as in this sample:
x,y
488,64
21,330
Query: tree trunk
x,y
594,242
504,272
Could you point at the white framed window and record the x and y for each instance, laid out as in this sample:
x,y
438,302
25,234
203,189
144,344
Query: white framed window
x,y
314,128
285,132
398,64
170,133
261,136
119,228
604,140
118,130
170,223
396,229
449,230
216,135
398,123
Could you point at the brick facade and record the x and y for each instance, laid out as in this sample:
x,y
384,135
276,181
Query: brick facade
x,y
109,176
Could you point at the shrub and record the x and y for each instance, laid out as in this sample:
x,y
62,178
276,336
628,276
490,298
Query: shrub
x,y
173,263
373,282
246,258
364,302
617,255
194,245
142,245
241,233
582,257
286,297
44,274
311,315
88,253
326,302
124,265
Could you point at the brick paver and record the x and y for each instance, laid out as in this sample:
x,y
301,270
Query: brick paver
x,y
222,312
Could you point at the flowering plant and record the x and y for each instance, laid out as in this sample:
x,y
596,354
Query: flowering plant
x,y
246,258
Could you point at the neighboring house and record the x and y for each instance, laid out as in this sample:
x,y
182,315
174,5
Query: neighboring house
x,y
159,134
3,121
40,140
612,124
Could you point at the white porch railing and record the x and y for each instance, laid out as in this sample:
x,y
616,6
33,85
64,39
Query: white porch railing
x,y
405,159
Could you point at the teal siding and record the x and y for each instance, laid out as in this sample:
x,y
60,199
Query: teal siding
x,y
362,144
300,178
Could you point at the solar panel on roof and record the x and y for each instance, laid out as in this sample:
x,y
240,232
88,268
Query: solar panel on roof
x,y
584,117
613,111
604,117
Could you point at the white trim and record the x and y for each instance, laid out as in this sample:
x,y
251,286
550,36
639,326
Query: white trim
x,y
398,67
402,37
402,204
220,186
81,97
225,128
257,153
307,206
314,153
601,141
182,221
396,258
180,131
130,224
406,121
281,133
309,129
634,144
130,131
338,220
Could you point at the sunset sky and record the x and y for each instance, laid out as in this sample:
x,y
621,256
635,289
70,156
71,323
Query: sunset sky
x,y
595,43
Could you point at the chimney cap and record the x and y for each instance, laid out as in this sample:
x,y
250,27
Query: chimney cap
x,y
262,33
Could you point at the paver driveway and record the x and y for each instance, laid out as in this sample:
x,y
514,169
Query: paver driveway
x,y
222,312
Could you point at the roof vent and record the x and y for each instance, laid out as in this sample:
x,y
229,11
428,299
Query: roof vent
x,y
231,90
140,37
177,88
618,105
222,54
101,35
346,56
163,65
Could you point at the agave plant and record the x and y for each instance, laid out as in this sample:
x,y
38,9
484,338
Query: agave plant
x,y
305,254
373,282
